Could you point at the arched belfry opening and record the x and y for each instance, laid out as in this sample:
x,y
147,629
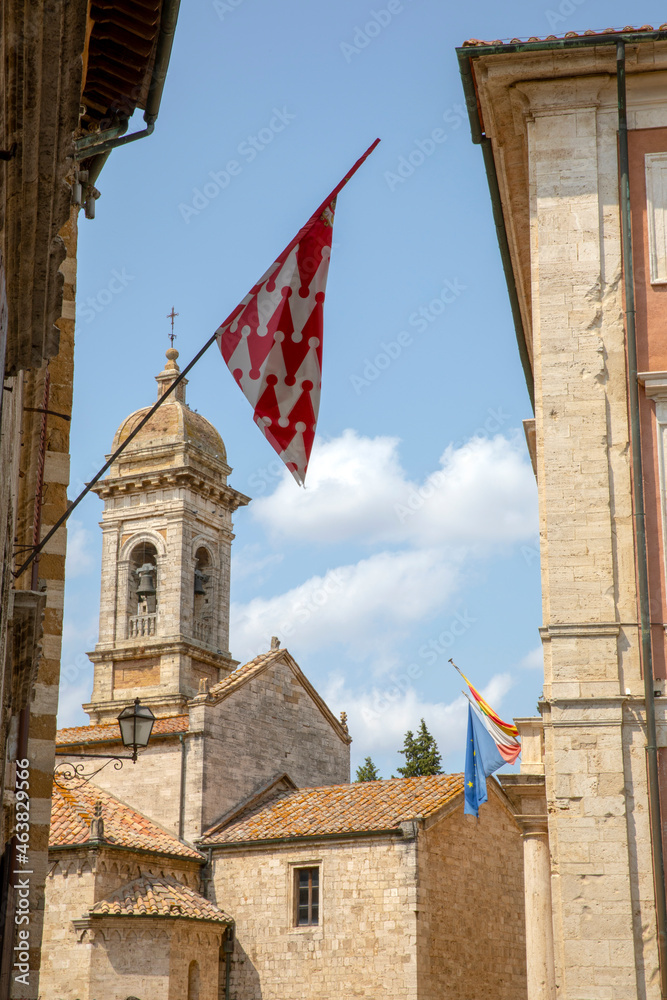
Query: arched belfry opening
x,y
202,613
142,591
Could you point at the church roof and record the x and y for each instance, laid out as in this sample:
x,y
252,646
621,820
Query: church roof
x,y
173,423
244,673
72,810
590,34
232,682
109,732
159,896
362,807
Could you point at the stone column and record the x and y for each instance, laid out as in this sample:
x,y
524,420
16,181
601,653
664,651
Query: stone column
x,y
526,792
537,890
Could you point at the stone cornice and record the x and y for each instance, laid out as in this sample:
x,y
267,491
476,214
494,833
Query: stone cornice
x,y
149,650
170,478
581,629
655,385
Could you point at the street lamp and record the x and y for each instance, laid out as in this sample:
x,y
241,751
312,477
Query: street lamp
x,y
136,725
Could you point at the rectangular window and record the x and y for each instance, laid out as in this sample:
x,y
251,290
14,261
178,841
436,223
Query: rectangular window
x,y
306,896
656,198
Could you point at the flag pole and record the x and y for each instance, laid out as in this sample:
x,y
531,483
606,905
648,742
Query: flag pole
x,y
75,503
327,201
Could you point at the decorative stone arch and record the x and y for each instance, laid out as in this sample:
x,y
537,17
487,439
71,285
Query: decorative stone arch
x,y
204,542
206,584
194,980
144,621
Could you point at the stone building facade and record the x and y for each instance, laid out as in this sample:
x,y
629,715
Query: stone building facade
x,y
244,790
551,117
124,913
72,75
415,901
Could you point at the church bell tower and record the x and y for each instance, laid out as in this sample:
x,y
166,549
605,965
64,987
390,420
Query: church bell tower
x,y
167,534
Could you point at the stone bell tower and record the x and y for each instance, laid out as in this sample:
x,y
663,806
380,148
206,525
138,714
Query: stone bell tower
x,y
167,534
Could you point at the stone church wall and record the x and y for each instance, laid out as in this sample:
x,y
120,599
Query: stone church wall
x,y
153,784
70,892
269,725
365,943
117,957
471,940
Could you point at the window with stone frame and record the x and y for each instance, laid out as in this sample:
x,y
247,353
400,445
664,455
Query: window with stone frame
x,y
307,896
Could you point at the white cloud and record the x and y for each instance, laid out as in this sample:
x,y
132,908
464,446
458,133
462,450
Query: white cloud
x,y
254,561
369,603
481,498
379,717
483,493
81,557
534,660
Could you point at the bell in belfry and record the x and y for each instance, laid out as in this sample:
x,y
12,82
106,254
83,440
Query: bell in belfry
x,y
200,580
146,586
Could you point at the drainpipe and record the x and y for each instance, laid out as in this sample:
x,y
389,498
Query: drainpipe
x,y
640,525
165,42
181,808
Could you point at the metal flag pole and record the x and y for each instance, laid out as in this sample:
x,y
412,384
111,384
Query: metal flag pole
x,y
75,503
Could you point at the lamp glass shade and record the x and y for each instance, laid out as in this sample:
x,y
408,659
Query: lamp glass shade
x,y
136,725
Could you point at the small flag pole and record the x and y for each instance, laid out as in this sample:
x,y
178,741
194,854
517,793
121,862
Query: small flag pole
x,y
75,503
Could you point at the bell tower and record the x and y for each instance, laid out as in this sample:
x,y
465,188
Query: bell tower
x,y
167,535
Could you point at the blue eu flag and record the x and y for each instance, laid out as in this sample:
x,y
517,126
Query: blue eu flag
x,y
482,759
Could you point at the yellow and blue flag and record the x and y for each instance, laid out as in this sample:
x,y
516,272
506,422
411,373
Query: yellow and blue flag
x,y
482,759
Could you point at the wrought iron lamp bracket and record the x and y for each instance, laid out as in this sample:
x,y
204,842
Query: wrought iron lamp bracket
x,y
67,771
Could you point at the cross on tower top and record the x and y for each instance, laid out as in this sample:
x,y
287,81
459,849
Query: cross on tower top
x,y
172,316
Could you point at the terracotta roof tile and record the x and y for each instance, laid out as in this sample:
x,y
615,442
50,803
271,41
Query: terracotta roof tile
x,y
332,809
243,674
159,896
72,810
628,29
110,733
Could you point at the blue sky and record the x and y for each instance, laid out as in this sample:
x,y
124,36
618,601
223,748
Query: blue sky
x,y
416,538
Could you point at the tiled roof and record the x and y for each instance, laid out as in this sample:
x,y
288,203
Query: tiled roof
x,y
110,733
244,673
72,810
473,42
332,809
159,896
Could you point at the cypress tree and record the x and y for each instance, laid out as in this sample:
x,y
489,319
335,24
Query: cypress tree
x,y
421,754
367,771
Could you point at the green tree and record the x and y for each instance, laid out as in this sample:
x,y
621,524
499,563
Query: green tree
x,y
421,754
367,771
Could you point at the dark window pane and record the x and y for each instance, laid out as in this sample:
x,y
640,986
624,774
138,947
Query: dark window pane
x,y
314,913
315,876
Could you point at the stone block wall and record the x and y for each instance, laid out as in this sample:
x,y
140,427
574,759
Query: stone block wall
x,y
117,957
269,725
563,114
471,934
366,942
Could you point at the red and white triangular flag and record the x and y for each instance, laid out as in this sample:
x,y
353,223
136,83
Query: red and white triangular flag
x,y
272,341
